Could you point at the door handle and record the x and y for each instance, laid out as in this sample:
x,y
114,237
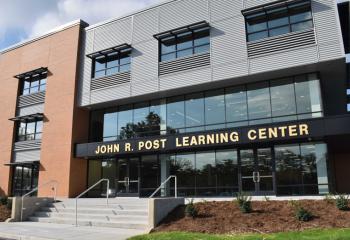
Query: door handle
x,y
254,177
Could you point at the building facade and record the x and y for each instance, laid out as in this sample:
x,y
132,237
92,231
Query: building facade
x,y
227,95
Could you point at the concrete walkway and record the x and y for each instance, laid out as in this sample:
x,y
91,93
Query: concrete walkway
x,y
41,231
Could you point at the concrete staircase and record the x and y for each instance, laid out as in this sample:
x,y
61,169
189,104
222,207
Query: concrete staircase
x,y
125,213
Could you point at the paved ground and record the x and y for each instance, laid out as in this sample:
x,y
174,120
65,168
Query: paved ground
x,y
41,231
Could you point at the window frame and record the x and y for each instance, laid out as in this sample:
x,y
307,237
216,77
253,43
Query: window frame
x,y
268,29
120,55
41,86
36,135
176,39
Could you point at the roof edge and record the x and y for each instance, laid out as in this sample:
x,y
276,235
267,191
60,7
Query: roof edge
x,y
47,34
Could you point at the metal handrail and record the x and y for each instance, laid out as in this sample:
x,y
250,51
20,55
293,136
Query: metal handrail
x,y
55,184
87,190
161,185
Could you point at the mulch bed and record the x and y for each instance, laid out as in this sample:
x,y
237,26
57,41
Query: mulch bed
x,y
267,217
5,213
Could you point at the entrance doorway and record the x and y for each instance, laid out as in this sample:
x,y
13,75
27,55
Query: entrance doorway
x,y
128,181
257,174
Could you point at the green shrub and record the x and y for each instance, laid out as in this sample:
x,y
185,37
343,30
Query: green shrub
x,y
190,210
244,202
329,198
3,200
342,202
303,215
9,204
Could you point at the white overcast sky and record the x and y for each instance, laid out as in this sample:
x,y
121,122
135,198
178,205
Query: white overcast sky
x,y
23,19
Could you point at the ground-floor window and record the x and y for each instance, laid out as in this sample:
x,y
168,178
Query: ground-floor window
x,y
24,179
295,169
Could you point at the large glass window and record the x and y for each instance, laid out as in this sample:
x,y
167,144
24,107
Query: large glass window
x,y
34,84
286,99
259,105
185,44
183,166
276,21
110,126
283,99
150,171
206,180
175,114
125,123
236,105
214,108
194,111
111,63
24,179
301,169
227,172
29,130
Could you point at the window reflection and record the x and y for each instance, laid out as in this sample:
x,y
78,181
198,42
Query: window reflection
x,y
271,101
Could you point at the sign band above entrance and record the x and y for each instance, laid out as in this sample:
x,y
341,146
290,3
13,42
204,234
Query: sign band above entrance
x,y
227,137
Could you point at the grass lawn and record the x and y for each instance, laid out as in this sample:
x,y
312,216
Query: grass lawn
x,y
328,234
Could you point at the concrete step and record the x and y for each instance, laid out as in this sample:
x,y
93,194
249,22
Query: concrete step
x,y
92,222
108,211
125,206
109,217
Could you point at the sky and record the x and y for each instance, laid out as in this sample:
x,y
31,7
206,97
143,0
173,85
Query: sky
x,y
25,19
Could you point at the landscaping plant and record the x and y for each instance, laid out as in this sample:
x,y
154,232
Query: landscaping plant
x,y
342,202
244,202
329,198
300,212
190,210
9,204
3,200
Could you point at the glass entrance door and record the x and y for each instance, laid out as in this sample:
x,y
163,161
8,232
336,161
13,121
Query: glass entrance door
x,y
257,175
127,181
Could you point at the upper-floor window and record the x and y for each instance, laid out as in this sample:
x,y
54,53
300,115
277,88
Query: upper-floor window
x,y
33,84
184,43
274,21
112,63
31,130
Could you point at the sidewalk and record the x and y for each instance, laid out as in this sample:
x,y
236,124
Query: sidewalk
x,y
41,231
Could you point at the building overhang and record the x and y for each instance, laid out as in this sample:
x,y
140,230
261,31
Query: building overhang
x,y
275,133
38,71
27,118
120,48
175,31
271,5
28,163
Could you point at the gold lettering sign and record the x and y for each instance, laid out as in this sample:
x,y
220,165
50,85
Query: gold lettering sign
x,y
228,137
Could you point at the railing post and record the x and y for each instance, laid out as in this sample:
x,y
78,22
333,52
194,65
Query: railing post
x,y
107,191
175,186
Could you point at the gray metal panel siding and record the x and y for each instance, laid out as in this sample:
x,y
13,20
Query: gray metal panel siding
x,y
145,26
229,53
31,99
186,78
327,27
183,64
282,42
24,111
286,59
144,64
113,34
222,9
228,43
26,156
112,93
27,145
182,13
109,81
85,68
